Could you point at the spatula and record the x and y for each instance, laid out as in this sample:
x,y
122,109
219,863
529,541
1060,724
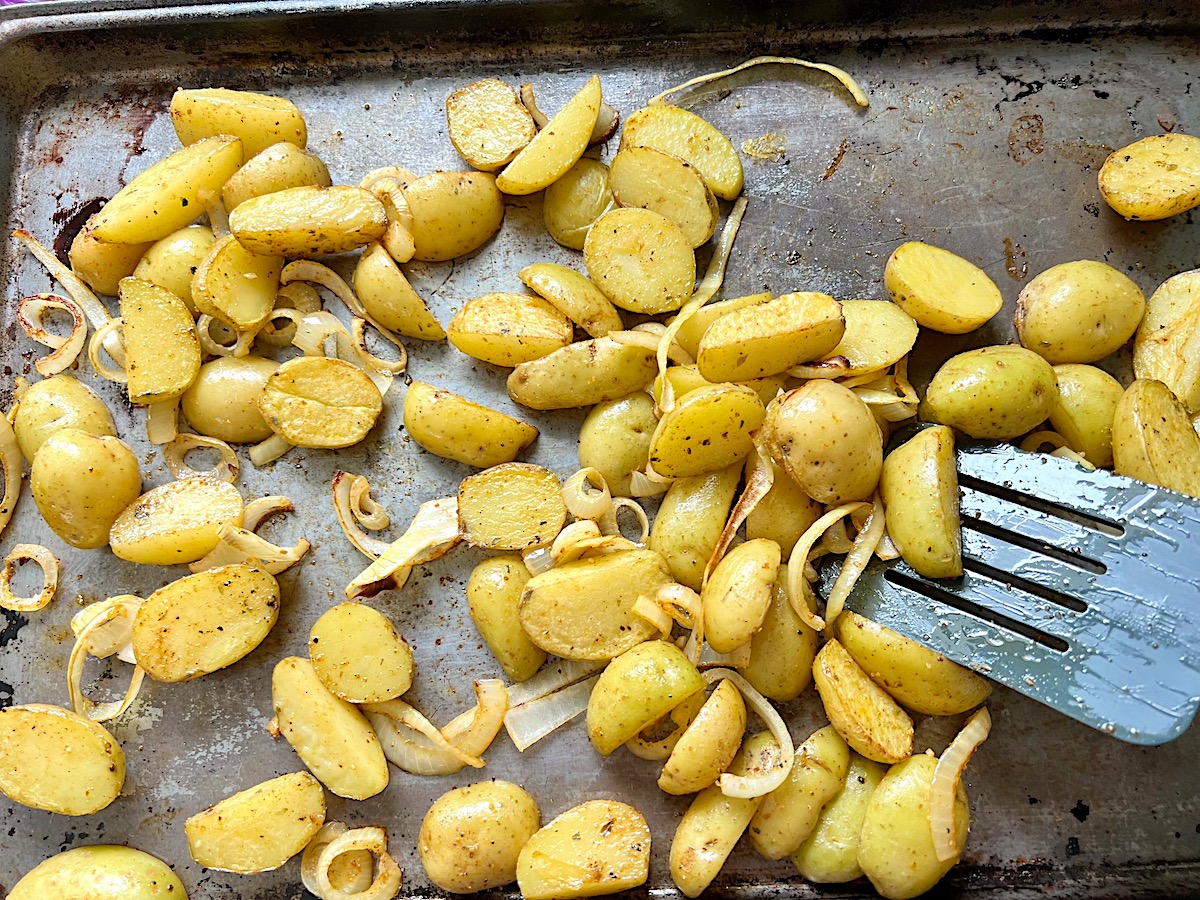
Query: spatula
x,y
1081,590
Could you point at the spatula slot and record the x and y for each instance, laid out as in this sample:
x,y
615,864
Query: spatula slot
x,y
1024,584
938,593
1048,507
1068,557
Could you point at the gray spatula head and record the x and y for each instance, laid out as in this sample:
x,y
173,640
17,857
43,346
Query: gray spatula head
x,y
1081,590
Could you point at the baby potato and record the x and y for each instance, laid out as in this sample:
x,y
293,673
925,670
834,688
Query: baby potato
x,y
574,296
508,329
235,285
453,213
172,261
1164,347
917,677
259,120
783,514
641,260
651,179
60,401
1153,439
103,264
472,836
494,593
309,221
598,847
357,654
637,689
788,815
488,125
692,330
827,440
878,334
162,351
260,828
100,872
830,853
939,290
769,338
615,438
862,712
919,487
1087,405
1154,178
684,134
997,393
782,650
176,522
222,402
512,506
1078,312
274,168
204,622
687,378
388,297
557,146
575,201
582,374
460,429
168,195
708,744
81,482
584,609
690,520
332,737
57,760
895,846
317,401
709,429
738,594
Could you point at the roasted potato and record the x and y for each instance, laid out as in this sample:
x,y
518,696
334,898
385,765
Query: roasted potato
x,y
939,290
99,872
308,221
997,393
557,147
863,713
176,522
258,120
60,401
641,260
684,134
358,654
460,429
919,486
1156,177
488,125
81,483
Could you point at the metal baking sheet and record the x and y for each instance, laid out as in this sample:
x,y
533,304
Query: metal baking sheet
x,y
986,128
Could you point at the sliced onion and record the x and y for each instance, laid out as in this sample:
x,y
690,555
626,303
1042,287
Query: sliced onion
x,y
943,789
529,722
177,450
162,421
594,546
1077,458
399,726
398,239
714,275
643,521
468,734
46,561
401,174
887,548
298,296
65,350
641,486
104,340
270,450
587,496
538,560
748,786
550,678
681,717
833,367
647,609
350,514
796,582
241,346
240,545
124,608
737,658
855,562
649,341
10,462
218,217
760,476
433,533
352,871
388,875
313,330
583,530
606,122
859,95
258,511
368,512
114,636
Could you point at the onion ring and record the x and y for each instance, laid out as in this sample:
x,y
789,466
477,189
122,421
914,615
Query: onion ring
x,y
162,421
105,338
351,871
748,786
349,514
118,607
175,452
388,876
64,350
46,561
209,344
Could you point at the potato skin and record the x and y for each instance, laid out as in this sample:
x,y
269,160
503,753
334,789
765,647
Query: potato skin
x,y
1078,312
997,393
1153,439
919,486
689,522
1087,405
615,439
830,853
100,872
471,837
457,428
1153,178
223,400
60,401
494,597
939,289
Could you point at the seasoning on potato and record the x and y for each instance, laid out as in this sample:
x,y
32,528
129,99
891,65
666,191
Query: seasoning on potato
x,y
308,221
1154,178
177,522
358,654
508,329
511,506
494,592
919,487
100,872
576,200
556,147
997,393
862,712
457,428
487,124
641,260
317,401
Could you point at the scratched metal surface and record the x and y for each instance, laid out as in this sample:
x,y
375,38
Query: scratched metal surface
x,y
986,128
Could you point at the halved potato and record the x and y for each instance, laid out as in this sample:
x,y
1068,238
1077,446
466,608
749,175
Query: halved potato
x,y
919,486
940,290
457,428
582,374
259,120
176,522
509,329
651,179
358,654
576,297
487,123
641,260
317,401
389,298
1153,439
1167,345
236,286
863,713
172,261
309,221
878,334
512,506
1156,177
102,264
708,744
162,351
575,201
691,331
276,168
709,429
556,147
170,194
684,134
738,594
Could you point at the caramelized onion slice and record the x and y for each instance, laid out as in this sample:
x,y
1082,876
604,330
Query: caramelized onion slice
x,y
433,533
116,608
388,875
46,561
843,77
64,350
354,508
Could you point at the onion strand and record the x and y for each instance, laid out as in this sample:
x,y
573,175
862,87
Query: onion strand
x,y
46,561
757,785
843,77
943,789
31,314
